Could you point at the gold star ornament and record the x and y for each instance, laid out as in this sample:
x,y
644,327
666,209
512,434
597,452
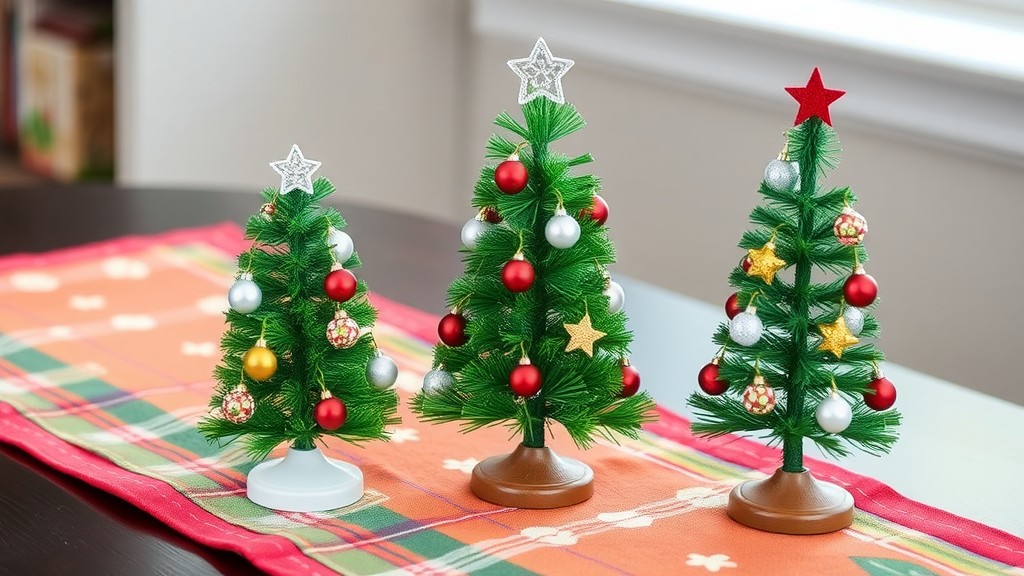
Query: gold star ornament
x,y
582,335
764,262
836,337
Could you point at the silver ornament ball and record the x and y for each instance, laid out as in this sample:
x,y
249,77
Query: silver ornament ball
x,y
562,231
473,230
616,296
781,176
854,318
381,371
341,245
436,380
833,414
745,329
244,296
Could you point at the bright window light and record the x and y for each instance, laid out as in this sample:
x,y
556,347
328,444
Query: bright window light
x,y
948,38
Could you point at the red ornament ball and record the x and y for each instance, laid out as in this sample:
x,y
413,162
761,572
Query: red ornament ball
x,y
598,210
491,215
880,395
732,305
709,382
860,289
517,275
330,413
511,176
746,263
630,381
340,285
452,329
525,380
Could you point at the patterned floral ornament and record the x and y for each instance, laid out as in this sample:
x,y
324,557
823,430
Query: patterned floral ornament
x,y
759,397
238,405
343,331
850,227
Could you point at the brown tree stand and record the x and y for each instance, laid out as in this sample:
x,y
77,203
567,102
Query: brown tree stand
x,y
532,478
791,503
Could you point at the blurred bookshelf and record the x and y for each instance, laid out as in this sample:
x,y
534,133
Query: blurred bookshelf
x,y
56,90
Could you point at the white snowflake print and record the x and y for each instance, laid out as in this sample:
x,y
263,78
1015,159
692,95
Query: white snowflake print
x,y
713,563
204,349
87,302
400,435
213,305
461,465
60,332
34,282
133,322
120,268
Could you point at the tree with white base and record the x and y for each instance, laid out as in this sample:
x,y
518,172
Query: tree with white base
x,y
300,362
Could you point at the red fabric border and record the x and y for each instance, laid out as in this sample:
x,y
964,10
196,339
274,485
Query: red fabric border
x,y
273,553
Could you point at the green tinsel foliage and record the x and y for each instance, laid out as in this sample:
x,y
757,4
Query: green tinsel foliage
x,y
791,308
289,260
579,392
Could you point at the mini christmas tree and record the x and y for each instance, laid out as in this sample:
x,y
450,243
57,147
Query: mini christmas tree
x,y
793,354
300,362
536,332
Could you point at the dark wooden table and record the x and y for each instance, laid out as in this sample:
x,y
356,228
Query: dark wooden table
x,y
54,524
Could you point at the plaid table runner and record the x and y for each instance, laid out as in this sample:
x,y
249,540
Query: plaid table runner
x,y
106,354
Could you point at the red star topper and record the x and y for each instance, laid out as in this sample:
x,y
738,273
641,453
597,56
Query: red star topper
x,y
814,99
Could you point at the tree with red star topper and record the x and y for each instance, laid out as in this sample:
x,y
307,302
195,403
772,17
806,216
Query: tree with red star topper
x,y
795,360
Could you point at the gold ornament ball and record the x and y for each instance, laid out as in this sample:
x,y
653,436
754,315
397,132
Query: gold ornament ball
x,y
259,363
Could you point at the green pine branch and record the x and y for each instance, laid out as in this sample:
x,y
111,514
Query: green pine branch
x,y
579,392
289,260
800,223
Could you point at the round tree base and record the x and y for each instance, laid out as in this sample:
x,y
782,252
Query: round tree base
x,y
791,503
532,478
304,481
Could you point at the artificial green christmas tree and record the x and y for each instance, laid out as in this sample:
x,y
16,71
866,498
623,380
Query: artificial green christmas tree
x,y
299,360
795,353
536,334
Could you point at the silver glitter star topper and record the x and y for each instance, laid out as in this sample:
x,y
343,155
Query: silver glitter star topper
x,y
541,74
296,172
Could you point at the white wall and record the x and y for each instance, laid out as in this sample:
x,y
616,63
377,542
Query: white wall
x,y
209,92
396,98
680,166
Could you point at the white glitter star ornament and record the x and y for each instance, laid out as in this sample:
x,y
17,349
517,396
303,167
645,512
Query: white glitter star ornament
x,y
541,74
296,172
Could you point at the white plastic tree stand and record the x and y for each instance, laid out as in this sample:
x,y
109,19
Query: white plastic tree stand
x,y
305,481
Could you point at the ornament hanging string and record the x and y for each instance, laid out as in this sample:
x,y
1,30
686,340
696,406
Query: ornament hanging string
x,y
750,302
